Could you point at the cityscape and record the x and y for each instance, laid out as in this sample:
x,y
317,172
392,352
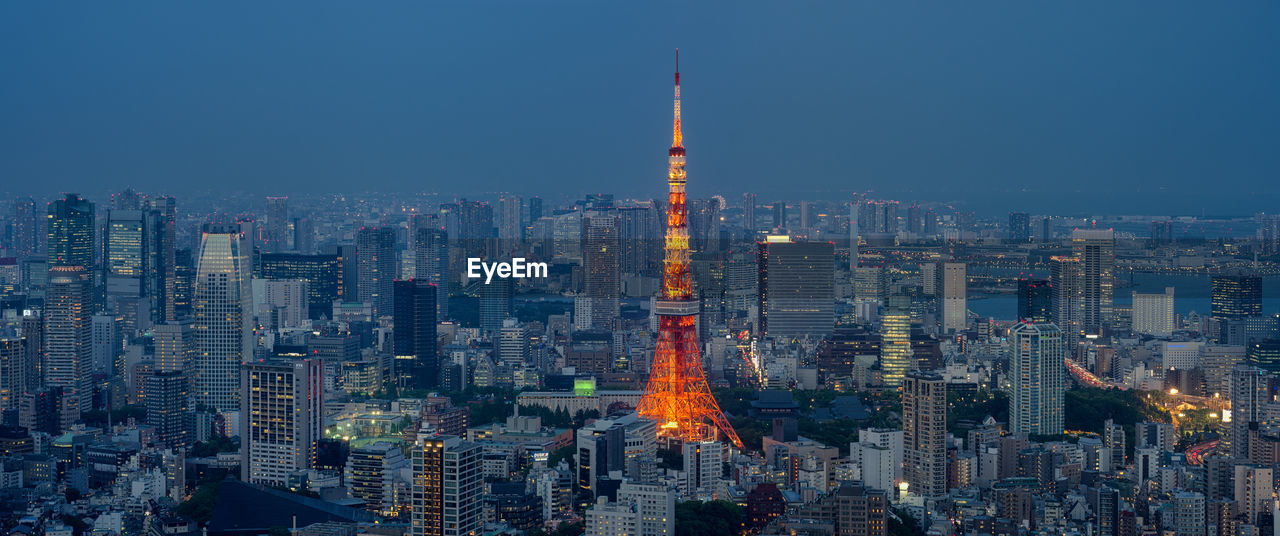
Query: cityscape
x,y
682,356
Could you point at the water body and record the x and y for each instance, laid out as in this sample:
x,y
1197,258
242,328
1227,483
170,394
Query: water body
x,y
1190,293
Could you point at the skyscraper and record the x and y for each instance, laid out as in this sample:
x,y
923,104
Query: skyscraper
x,y
511,219
417,363
1096,249
600,267
323,274
1019,227
895,345
1250,398
276,238
955,310
431,261
1035,300
1038,377
13,355
854,237
749,211
168,410
125,256
283,418
68,334
447,487
779,214
25,228
796,288
495,304
222,308
1235,294
71,231
376,254
924,434
1065,281
162,262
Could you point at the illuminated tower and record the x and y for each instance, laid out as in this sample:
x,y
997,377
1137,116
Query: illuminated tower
x,y
677,396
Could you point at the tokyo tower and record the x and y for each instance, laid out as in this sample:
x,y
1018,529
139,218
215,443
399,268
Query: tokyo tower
x,y
677,396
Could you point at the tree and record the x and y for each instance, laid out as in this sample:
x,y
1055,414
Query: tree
x,y
714,518
200,506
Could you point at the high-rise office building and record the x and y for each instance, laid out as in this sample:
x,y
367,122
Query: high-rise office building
x,y
72,229
779,214
431,261
222,314
68,334
162,215
796,288
168,410
447,487
1153,313
1251,389
323,274
955,310
495,304
854,237
1096,249
376,254
417,363
1235,294
26,241
749,211
600,249
510,219
371,475
125,266
283,418
1066,283
13,354
276,237
1035,300
895,345
1038,377
535,208
640,249
513,343
808,216
924,434
1019,227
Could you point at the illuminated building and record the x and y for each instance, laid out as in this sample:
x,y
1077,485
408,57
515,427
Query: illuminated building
x,y
71,230
924,434
1035,300
1038,375
68,332
13,354
447,488
1235,295
126,254
600,252
677,395
371,475
895,345
223,319
283,418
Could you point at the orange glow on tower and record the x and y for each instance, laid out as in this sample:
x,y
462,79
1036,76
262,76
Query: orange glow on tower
x,y
677,396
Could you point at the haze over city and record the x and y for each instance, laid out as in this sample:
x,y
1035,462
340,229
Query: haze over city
x,y
1079,107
